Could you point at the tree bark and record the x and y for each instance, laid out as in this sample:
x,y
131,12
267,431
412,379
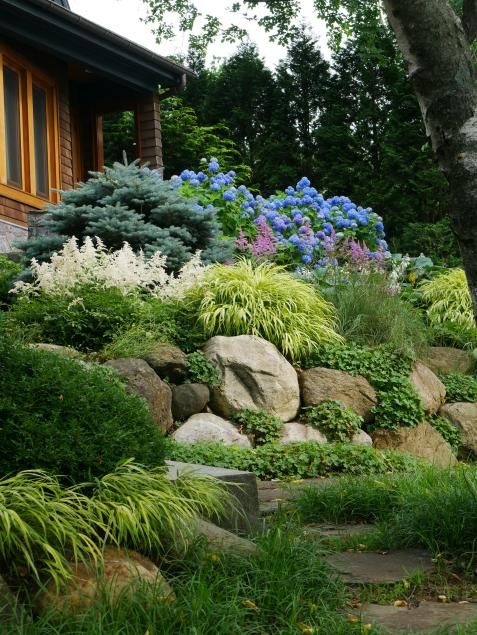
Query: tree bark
x,y
436,46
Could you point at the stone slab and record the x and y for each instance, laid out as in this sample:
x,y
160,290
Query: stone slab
x,y
371,567
428,617
339,531
243,487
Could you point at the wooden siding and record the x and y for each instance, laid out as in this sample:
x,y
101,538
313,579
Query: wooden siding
x,y
13,212
149,131
66,138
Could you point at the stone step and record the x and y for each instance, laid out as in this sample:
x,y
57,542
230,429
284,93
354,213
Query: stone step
x,y
428,617
372,567
339,531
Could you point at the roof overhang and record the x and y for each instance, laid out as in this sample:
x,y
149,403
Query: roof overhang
x,y
46,25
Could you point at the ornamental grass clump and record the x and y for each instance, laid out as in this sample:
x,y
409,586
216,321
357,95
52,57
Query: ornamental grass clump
x,y
263,300
448,299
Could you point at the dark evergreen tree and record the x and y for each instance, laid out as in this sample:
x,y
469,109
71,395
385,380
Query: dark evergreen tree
x,y
130,203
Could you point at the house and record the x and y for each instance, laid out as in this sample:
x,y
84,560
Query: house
x,y
59,76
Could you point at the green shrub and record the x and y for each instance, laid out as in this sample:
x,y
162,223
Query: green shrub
x,y
296,460
334,419
9,270
451,334
447,430
460,387
263,300
69,419
448,299
86,321
387,371
201,371
264,427
370,315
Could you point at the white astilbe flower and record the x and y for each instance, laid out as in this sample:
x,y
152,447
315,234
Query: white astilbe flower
x,y
94,266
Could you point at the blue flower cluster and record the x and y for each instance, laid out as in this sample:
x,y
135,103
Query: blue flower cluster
x,y
307,227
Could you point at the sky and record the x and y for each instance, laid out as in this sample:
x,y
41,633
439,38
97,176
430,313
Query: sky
x,y
124,18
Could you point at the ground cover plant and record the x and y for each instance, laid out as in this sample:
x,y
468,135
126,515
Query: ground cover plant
x,y
262,426
68,418
294,461
460,387
334,419
266,301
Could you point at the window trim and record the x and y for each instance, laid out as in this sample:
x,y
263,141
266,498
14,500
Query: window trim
x,y
29,76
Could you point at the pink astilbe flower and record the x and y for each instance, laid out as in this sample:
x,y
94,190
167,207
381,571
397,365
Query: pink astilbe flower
x,y
241,242
264,244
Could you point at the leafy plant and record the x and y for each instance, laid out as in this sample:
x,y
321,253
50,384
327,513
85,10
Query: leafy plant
x,y
86,321
460,387
69,419
8,272
201,371
294,461
264,427
369,314
448,299
387,371
334,419
266,301
447,430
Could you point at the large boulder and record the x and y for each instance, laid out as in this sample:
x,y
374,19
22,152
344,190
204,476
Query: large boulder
x,y
295,432
208,428
428,386
124,572
188,400
168,361
143,381
443,360
221,540
422,441
65,351
254,376
362,438
464,417
325,384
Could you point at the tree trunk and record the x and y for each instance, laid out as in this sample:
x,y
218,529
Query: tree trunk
x,y
436,46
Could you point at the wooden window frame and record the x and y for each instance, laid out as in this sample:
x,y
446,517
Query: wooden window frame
x,y
29,76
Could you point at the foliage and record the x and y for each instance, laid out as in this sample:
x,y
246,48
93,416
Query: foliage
x,y
451,334
428,507
370,314
67,418
8,272
92,265
448,299
387,371
285,588
185,141
334,419
87,320
119,136
296,460
264,427
436,240
447,430
460,387
308,229
130,203
266,301
201,371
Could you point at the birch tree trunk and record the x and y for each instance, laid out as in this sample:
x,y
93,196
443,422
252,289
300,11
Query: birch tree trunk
x,y
436,45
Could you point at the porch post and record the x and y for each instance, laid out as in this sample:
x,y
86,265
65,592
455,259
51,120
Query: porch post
x,y
149,131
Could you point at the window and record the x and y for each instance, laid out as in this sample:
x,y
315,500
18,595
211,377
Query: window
x,y
28,132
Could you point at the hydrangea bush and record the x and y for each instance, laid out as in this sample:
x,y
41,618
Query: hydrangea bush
x,y
298,225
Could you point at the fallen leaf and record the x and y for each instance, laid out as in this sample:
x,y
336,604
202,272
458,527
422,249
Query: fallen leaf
x,y
442,598
304,628
250,605
353,619
400,603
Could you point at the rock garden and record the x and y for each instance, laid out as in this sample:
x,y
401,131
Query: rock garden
x,y
275,337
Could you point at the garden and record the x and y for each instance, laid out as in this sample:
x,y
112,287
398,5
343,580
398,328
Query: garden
x,y
195,320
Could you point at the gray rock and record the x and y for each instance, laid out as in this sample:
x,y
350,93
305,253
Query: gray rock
x,y
422,441
428,386
339,531
443,360
369,567
244,514
325,384
143,381
254,376
208,428
362,438
464,417
222,540
188,400
66,351
295,432
428,617
168,361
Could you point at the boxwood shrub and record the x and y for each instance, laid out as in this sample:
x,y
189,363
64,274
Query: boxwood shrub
x,y
68,418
